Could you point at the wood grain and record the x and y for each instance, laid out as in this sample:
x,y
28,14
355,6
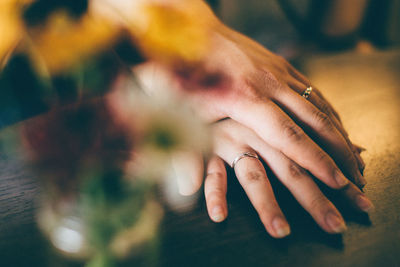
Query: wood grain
x,y
366,91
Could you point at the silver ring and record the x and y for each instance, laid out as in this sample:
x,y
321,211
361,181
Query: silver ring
x,y
243,155
306,94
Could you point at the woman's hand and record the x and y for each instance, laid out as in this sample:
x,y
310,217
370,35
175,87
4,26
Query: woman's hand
x,y
262,92
232,139
240,79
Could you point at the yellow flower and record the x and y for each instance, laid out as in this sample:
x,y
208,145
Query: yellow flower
x,y
167,31
174,34
10,26
64,41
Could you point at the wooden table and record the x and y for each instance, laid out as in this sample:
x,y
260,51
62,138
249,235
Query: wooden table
x,y
366,91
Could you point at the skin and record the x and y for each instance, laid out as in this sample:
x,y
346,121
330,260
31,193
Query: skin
x,y
260,93
263,92
257,94
231,139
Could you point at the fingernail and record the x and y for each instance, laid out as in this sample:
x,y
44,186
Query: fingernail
x,y
335,222
217,214
361,180
364,203
281,227
360,148
360,161
340,179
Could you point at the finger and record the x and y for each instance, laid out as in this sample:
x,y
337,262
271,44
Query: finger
x,y
305,81
253,178
324,106
357,198
304,189
360,161
308,194
318,100
215,188
330,107
321,125
298,75
189,171
302,186
277,129
299,182
359,149
328,110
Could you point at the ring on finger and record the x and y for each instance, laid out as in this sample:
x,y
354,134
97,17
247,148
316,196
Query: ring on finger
x,y
243,155
306,94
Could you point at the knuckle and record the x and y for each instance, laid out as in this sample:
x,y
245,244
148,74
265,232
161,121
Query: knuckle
x,y
251,91
296,172
215,193
253,176
319,202
292,131
321,156
334,112
271,81
219,176
324,107
333,171
323,121
349,158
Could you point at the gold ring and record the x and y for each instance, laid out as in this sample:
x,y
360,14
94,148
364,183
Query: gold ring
x,y
306,94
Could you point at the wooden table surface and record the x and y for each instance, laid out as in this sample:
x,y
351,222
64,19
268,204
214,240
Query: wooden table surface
x,y
366,91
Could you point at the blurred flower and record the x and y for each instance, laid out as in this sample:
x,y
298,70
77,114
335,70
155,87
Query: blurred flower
x,y
64,41
11,27
100,158
126,130
68,141
79,151
173,34
160,126
108,217
100,161
146,228
167,31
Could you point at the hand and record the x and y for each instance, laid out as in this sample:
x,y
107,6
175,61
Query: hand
x,y
230,140
262,91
